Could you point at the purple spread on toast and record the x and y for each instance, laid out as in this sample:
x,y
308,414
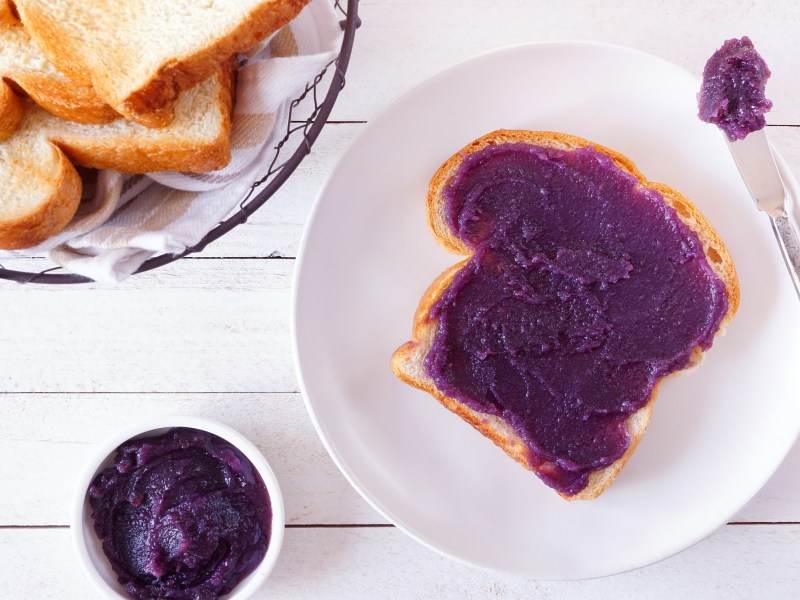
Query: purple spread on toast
x,y
732,94
583,290
182,515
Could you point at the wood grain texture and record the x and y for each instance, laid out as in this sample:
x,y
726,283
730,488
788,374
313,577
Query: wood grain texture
x,y
210,337
60,433
735,563
203,325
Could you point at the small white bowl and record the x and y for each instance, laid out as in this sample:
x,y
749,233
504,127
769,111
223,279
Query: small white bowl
x,y
87,544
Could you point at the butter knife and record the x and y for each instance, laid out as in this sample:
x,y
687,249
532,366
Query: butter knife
x,y
754,159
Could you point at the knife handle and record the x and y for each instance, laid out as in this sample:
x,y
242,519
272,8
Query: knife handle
x,y
790,246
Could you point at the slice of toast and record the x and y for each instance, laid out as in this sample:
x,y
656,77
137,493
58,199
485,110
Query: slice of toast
x,y
42,190
408,362
24,66
139,56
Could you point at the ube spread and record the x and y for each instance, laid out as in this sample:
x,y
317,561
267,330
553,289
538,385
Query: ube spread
x,y
583,290
732,94
182,515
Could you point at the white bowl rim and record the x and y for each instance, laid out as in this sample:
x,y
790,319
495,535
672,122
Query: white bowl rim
x,y
81,524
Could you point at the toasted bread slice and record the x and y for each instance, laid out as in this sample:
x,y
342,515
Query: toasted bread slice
x,y
139,56
11,111
408,362
24,65
41,188
40,193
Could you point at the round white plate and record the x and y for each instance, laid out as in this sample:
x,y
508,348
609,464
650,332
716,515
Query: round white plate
x,y
367,256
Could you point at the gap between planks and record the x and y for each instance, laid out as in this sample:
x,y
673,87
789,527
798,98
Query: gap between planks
x,y
353,122
287,526
385,525
180,393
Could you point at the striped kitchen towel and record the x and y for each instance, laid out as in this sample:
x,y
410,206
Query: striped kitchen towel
x,y
129,218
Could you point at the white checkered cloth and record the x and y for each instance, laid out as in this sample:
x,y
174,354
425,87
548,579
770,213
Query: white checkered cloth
x,y
131,218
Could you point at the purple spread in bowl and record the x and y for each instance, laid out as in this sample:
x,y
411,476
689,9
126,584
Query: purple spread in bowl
x,y
181,515
732,94
583,290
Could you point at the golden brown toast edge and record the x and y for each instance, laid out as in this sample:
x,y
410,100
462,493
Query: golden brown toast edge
x,y
64,187
407,361
152,105
51,216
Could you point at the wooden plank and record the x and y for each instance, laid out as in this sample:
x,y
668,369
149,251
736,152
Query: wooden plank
x,y
222,326
59,433
431,36
737,562
203,325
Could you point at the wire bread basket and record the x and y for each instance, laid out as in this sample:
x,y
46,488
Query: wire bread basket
x,y
308,114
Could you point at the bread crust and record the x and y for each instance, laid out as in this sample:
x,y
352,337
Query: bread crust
x,y
65,99
51,215
152,101
11,111
408,361
103,146
49,88
136,157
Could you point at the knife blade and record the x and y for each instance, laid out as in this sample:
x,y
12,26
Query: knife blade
x,y
756,164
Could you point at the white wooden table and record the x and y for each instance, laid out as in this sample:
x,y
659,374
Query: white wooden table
x,y
209,336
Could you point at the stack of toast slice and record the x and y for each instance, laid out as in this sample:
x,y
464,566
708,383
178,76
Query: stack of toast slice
x,y
132,86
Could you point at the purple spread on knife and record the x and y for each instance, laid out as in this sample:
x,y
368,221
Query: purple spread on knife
x,y
732,94
182,515
582,291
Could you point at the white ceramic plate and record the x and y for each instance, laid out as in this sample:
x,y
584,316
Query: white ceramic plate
x,y
717,434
